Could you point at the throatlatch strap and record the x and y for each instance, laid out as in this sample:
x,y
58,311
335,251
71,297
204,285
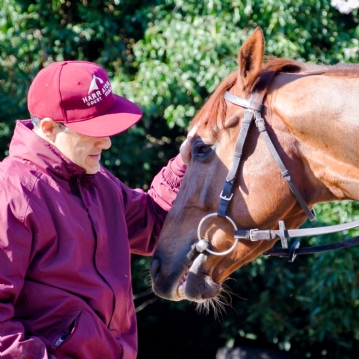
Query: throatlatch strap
x,y
285,173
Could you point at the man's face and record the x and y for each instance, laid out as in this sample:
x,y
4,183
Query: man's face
x,y
83,150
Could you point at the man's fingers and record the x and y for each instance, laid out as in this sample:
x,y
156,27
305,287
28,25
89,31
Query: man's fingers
x,y
185,148
192,132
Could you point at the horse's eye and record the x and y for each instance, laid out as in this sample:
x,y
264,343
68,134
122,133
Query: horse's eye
x,y
201,151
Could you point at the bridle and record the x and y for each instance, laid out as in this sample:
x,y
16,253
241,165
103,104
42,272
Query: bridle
x,y
253,108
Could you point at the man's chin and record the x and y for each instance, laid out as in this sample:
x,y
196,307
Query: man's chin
x,y
91,170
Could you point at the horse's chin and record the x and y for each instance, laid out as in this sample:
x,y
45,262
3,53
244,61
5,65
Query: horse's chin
x,y
195,285
198,289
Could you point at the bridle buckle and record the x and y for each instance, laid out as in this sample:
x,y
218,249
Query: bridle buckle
x,y
221,196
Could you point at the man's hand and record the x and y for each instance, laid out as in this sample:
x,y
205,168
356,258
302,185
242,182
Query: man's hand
x,y
185,149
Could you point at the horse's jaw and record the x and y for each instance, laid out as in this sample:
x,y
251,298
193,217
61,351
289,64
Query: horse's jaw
x,y
188,281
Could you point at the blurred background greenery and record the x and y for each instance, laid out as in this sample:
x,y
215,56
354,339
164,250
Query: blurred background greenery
x,y
168,56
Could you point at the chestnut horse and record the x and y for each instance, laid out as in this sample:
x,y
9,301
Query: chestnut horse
x,y
311,114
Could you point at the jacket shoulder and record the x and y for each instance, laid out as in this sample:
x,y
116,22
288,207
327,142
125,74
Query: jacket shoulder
x,y
16,182
16,174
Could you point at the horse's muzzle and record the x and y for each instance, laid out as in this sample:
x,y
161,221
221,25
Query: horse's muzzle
x,y
166,277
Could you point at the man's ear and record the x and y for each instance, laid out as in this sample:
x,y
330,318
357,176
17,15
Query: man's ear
x,y
48,129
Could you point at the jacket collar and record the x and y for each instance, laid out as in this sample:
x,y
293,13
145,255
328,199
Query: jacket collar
x,y
27,146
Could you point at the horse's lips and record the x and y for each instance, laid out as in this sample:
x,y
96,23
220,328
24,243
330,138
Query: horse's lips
x,y
194,269
181,290
181,287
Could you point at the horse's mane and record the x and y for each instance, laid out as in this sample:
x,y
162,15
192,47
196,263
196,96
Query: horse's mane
x,y
349,70
214,111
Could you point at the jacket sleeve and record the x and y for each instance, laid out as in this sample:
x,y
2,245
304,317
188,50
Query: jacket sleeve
x,y
166,184
146,212
15,250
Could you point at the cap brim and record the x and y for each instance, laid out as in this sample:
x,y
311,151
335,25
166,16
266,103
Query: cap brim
x,y
120,117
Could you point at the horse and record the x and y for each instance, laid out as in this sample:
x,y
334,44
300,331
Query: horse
x,y
310,113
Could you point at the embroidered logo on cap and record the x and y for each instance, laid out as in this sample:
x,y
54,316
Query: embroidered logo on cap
x,y
93,85
98,88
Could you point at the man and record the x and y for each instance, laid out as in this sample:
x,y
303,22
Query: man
x,y
67,226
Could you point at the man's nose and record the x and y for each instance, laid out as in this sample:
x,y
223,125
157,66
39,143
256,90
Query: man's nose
x,y
104,143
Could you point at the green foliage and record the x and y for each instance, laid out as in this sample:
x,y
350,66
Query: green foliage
x,y
168,56
189,48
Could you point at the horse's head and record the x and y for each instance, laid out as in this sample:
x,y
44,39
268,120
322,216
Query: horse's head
x,y
261,196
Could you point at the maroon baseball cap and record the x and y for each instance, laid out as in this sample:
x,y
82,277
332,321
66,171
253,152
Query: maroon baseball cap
x,y
79,95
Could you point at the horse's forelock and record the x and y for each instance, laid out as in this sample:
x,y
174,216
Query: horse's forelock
x,y
214,109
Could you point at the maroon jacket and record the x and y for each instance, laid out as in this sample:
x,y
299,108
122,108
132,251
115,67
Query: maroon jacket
x,y
65,243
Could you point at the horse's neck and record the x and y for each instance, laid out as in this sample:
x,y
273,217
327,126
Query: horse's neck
x,y
322,113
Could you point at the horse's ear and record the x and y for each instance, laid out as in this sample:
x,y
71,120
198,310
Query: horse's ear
x,y
250,59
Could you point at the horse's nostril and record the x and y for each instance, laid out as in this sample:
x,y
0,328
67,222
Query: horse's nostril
x,y
155,268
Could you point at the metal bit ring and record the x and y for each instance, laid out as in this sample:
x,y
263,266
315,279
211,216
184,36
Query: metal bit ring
x,y
202,244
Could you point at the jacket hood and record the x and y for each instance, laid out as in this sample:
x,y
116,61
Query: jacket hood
x,y
26,146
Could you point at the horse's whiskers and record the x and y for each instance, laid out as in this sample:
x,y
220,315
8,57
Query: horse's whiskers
x,y
148,279
230,293
218,304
